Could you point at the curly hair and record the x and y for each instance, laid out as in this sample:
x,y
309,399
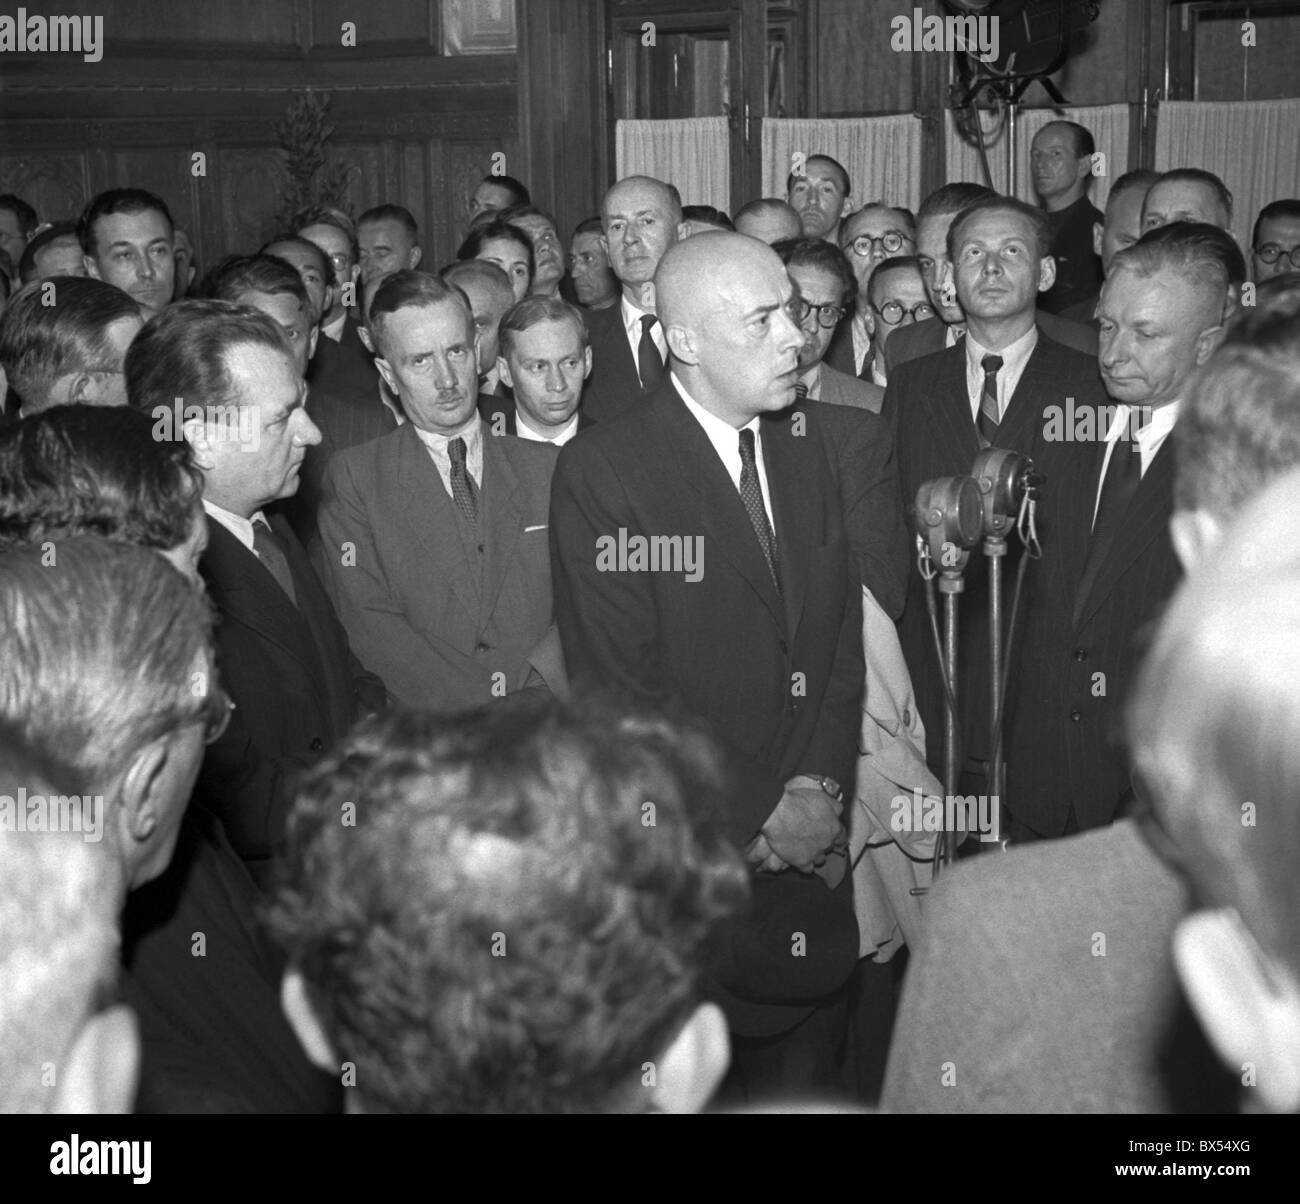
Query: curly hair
x,y
515,921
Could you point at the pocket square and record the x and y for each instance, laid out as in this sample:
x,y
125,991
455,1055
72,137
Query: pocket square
x,y
539,527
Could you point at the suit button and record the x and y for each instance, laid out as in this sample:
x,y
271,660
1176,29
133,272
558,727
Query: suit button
x,y
1080,654
1076,716
317,744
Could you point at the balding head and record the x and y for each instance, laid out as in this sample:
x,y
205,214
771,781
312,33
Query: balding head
x,y
724,300
642,218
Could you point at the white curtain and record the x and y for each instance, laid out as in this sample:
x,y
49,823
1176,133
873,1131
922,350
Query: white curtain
x,y
881,154
1109,125
1253,146
693,153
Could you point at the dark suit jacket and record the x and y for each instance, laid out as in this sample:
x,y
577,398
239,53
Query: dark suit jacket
x,y
213,1036
1006,983
839,351
841,390
500,414
296,687
614,385
346,367
393,561
724,648
935,436
925,338
344,421
862,447
1064,719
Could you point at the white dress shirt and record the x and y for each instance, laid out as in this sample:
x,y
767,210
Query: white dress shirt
x,y
813,380
472,433
1149,437
861,341
726,442
632,315
524,431
334,330
239,526
1014,359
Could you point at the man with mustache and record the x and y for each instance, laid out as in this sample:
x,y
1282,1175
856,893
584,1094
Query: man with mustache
x,y
281,652
129,241
433,537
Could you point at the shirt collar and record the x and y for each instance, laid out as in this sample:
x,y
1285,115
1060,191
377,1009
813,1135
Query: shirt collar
x,y
238,526
632,315
471,432
1013,356
528,432
720,432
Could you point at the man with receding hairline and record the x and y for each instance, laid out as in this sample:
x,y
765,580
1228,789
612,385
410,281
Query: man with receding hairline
x,y
642,218
748,615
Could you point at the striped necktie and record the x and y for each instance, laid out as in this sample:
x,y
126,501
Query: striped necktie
x,y
463,492
988,418
751,493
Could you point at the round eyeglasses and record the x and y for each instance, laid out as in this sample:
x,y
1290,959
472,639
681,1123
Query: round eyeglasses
x,y
892,313
827,315
1270,252
891,242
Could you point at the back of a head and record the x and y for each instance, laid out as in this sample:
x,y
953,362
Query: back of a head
x,y
1214,722
81,469
518,922
183,352
1141,178
58,326
58,940
707,215
23,213
952,199
481,272
1239,427
99,640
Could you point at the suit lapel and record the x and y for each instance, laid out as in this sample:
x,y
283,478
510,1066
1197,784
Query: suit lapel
x,y
499,520
428,511
1146,518
246,593
721,511
951,408
1020,422
794,507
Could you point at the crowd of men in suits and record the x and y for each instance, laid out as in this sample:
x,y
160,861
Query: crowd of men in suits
x,y
470,665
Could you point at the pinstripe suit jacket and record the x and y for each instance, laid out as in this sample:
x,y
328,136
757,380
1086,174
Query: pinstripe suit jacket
x,y
935,436
1081,646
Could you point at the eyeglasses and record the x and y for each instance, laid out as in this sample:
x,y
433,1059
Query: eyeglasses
x,y
827,315
891,242
1270,252
218,707
892,313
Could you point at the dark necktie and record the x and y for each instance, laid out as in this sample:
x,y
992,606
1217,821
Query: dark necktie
x,y
751,493
988,419
463,492
800,392
649,363
1123,475
270,551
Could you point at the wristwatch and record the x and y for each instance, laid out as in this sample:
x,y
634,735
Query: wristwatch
x,y
829,785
